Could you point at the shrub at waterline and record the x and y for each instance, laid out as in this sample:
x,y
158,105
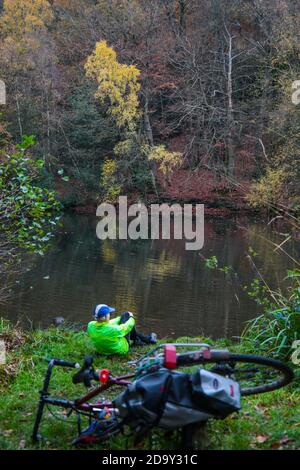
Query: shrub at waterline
x,y
28,210
277,330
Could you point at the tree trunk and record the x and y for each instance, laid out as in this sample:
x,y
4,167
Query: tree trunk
x,y
149,135
148,128
19,117
182,16
230,119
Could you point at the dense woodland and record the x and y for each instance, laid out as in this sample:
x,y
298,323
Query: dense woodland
x,y
213,88
160,100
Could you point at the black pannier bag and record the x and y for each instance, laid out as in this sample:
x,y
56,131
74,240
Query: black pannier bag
x,y
171,400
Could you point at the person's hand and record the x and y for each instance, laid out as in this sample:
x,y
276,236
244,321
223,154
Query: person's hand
x,y
131,314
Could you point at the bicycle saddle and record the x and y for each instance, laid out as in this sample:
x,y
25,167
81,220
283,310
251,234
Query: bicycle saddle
x,y
86,374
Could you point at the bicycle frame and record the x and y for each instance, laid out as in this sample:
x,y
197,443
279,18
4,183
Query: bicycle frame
x,y
79,405
168,360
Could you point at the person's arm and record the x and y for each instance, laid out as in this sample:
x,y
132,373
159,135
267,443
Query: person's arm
x,y
114,321
89,327
125,328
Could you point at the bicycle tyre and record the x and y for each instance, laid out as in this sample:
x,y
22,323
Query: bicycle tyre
x,y
286,372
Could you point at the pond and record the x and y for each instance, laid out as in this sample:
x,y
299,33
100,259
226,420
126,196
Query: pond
x,y
170,289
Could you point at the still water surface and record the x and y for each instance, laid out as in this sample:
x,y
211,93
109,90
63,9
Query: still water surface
x,y
170,289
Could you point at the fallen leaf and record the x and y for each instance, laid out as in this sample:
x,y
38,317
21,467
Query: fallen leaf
x,y
261,409
22,444
285,440
275,445
261,439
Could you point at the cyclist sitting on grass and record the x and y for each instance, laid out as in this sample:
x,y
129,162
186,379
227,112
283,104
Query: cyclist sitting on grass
x,y
114,336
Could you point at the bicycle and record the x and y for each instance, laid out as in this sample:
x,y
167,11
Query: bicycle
x,y
253,374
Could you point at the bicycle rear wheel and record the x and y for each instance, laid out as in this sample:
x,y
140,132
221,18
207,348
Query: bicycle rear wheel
x,y
255,374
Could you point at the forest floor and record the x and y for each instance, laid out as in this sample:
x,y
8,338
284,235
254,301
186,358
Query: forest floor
x,y
268,421
219,196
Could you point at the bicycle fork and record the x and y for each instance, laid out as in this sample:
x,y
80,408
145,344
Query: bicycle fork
x,y
44,396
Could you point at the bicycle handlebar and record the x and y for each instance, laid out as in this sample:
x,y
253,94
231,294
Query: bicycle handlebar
x,y
200,357
62,363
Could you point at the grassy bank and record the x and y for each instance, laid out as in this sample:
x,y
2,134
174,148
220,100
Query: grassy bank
x,y
269,421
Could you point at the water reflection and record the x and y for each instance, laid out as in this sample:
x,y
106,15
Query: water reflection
x,y
169,288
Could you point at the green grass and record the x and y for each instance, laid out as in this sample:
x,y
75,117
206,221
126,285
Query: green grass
x,y
269,421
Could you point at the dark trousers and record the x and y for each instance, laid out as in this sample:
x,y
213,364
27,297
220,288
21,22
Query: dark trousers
x,y
133,335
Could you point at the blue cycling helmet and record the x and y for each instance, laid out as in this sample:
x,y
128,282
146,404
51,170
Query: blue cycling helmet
x,y
102,310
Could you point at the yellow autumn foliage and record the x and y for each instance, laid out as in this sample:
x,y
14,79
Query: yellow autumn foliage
x,y
109,185
24,16
269,190
167,160
123,148
117,83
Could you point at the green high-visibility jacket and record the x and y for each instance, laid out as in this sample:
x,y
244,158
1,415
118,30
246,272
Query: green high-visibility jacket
x,y
109,337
